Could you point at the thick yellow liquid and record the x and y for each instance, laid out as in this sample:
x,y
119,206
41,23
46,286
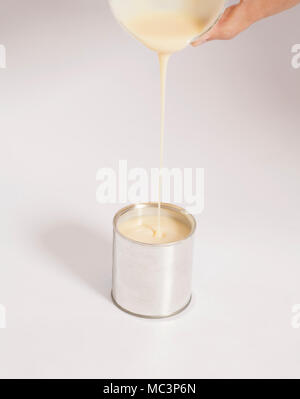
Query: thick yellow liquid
x,y
166,32
144,229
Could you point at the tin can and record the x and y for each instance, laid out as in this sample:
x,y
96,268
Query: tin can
x,y
152,280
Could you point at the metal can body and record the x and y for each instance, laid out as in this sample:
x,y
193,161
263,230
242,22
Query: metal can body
x,y
152,280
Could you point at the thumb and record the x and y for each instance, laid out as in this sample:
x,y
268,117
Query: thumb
x,y
234,20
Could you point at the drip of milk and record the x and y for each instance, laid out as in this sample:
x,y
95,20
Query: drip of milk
x,y
167,30
163,61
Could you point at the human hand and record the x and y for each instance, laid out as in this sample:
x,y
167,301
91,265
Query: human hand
x,y
239,17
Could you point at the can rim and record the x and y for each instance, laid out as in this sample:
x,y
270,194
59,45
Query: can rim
x,y
164,205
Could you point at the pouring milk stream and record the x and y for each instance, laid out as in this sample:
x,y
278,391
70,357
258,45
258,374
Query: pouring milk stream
x,y
165,26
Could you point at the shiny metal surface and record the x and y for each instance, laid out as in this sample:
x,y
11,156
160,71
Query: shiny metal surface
x,y
152,280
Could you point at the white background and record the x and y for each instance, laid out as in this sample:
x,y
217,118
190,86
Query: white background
x,y
79,94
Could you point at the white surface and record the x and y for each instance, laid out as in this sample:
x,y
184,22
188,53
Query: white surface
x,y
79,94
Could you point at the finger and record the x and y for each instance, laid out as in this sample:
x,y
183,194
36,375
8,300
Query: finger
x,y
234,20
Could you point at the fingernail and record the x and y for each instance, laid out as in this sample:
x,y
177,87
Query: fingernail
x,y
203,39
198,43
